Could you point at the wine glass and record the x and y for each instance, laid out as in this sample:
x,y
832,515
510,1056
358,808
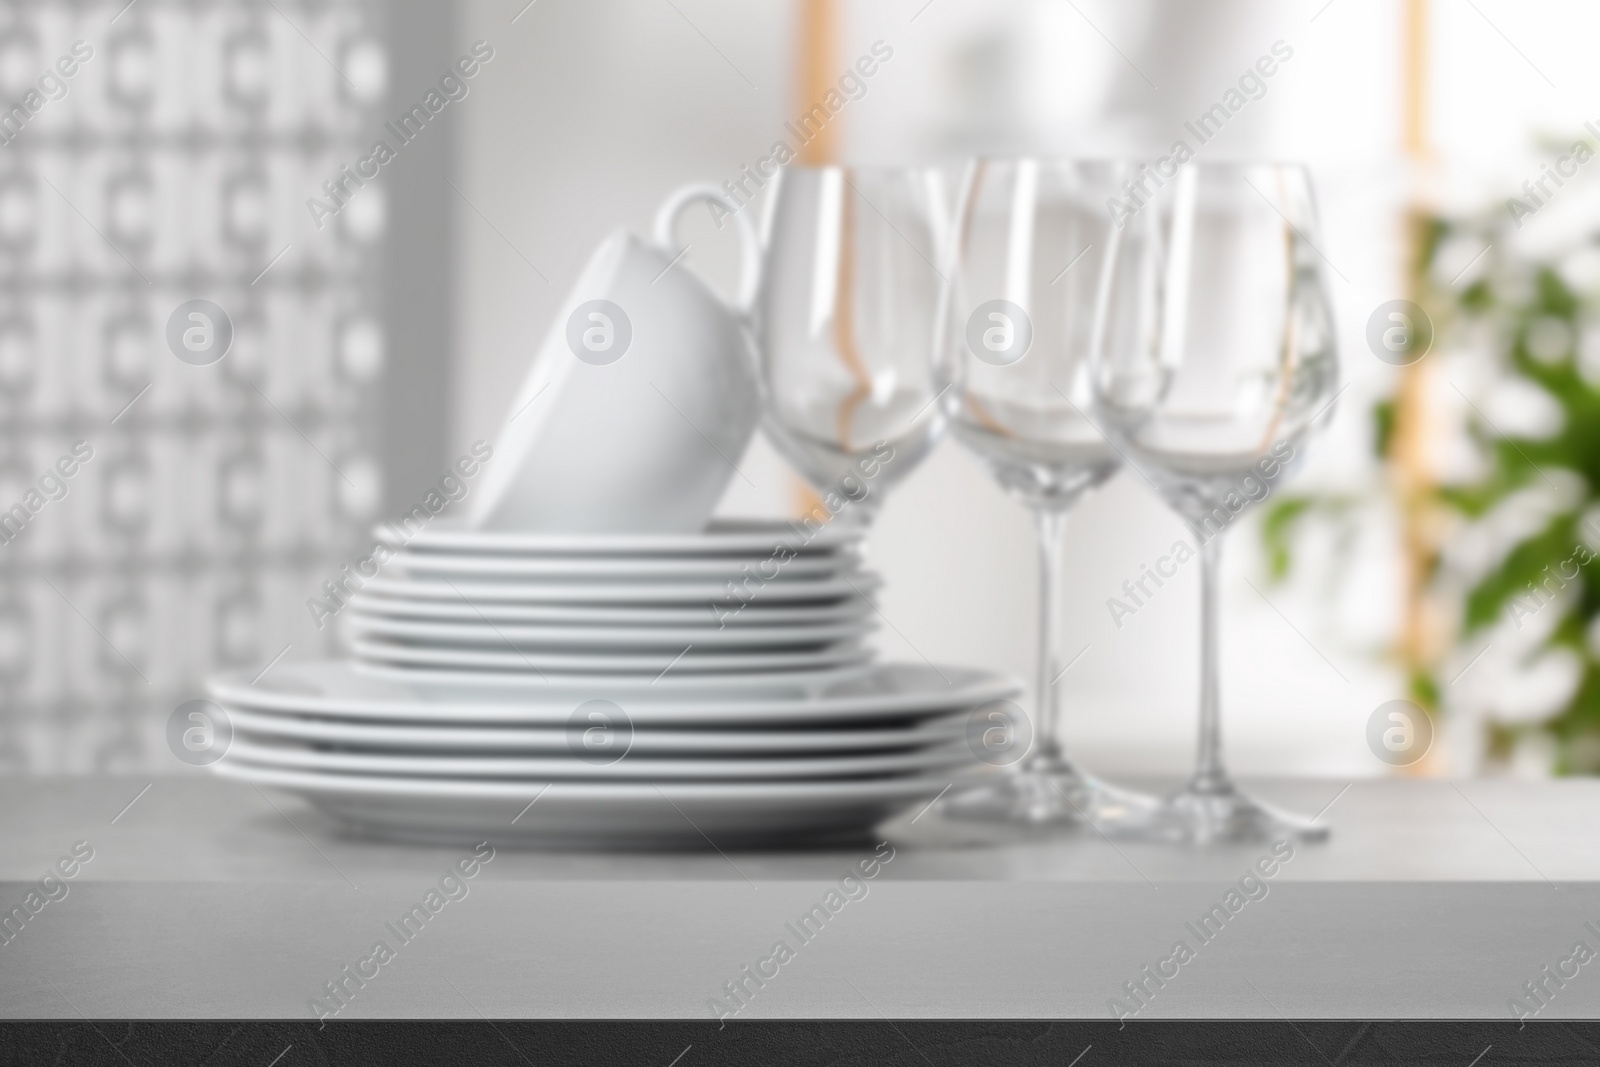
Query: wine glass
x,y
1013,366
844,319
1215,359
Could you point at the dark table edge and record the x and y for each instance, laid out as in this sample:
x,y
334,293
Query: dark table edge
x,y
659,1043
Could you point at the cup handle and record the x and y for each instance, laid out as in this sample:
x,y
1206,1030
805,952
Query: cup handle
x,y
749,243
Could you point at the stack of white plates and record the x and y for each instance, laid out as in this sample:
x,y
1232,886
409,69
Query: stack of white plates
x,y
601,690
828,757
742,601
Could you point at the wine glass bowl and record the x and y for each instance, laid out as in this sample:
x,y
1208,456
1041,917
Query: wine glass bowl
x,y
1013,366
845,319
1217,340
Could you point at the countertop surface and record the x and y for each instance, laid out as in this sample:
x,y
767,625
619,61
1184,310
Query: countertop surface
x,y
207,898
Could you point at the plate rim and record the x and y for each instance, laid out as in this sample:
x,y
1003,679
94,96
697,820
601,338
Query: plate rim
x,y
773,635
980,687
777,591
832,535
845,789
594,614
379,733
835,654
949,753
610,567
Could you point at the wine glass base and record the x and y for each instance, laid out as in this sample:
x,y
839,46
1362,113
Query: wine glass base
x,y
1205,814
1050,794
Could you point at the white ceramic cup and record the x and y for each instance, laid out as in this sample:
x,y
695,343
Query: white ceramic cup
x,y
640,400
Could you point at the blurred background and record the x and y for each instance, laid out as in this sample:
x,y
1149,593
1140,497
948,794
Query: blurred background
x,y
1434,549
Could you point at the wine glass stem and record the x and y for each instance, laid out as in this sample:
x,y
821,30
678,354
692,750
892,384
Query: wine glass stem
x,y
1209,773
1052,535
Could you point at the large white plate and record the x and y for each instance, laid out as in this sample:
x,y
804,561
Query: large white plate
x,y
372,736
681,661
482,567
701,616
592,814
880,693
692,594
750,537
628,767
671,639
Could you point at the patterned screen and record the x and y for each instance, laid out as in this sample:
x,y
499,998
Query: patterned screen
x,y
162,516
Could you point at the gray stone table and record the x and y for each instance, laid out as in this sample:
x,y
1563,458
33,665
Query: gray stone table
x,y
208,899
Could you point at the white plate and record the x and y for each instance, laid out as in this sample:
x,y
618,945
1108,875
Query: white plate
x,y
880,693
392,737
701,616
722,538
627,767
481,567
681,661
439,684
540,639
594,814
695,594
